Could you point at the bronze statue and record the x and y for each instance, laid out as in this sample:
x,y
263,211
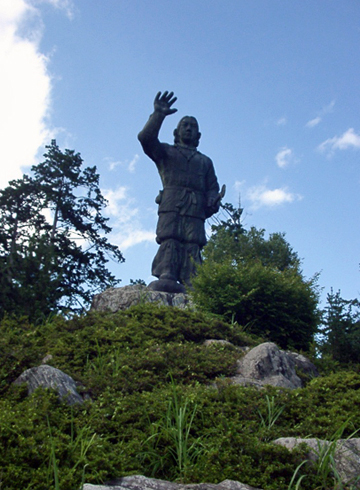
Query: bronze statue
x,y
190,195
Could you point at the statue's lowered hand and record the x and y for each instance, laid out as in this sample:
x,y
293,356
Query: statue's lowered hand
x,y
220,195
213,203
163,103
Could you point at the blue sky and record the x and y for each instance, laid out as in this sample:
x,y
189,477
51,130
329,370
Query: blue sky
x,y
273,84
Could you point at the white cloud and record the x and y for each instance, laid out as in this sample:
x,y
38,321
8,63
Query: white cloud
x,y
114,198
66,5
129,165
324,110
132,164
133,237
261,196
126,223
284,157
239,185
282,121
349,139
314,122
328,108
25,86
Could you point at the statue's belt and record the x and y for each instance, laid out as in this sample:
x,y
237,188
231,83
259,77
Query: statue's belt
x,y
185,197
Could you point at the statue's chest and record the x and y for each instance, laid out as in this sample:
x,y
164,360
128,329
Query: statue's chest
x,y
185,169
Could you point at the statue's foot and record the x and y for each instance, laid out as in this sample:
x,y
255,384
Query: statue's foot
x,y
167,286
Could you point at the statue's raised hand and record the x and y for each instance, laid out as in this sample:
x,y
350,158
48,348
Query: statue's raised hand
x,y
163,103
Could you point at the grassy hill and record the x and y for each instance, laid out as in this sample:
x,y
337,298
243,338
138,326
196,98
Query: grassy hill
x,y
158,403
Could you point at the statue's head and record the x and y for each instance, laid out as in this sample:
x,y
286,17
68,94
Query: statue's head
x,y
187,132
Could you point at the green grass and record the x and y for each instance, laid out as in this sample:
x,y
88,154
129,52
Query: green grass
x,y
191,427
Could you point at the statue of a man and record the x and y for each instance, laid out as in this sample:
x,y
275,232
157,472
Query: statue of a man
x,y
190,195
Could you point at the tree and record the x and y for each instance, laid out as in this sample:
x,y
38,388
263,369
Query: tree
x,y
53,248
258,283
341,329
230,240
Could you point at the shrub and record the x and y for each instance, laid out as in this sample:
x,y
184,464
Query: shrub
x,y
279,306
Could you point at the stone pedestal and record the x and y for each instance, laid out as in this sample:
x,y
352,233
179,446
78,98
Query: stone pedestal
x,y
115,299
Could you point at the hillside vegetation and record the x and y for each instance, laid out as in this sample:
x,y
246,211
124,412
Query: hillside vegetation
x,y
158,403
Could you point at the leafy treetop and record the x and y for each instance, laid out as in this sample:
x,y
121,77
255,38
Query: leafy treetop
x,y
53,248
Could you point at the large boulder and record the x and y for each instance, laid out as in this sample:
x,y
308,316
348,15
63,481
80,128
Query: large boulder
x,y
266,364
50,377
139,482
115,299
303,365
346,453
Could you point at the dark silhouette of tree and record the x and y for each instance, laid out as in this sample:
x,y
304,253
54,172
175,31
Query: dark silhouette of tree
x,y
53,244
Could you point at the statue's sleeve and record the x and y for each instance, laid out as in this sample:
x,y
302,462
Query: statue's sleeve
x,y
149,140
212,190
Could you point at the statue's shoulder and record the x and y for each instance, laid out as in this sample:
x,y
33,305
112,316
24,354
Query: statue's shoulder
x,y
207,161
166,148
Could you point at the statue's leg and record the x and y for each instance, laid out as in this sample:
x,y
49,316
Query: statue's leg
x,y
166,263
191,257
194,231
166,266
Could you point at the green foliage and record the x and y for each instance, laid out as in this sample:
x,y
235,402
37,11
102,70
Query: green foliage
x,y
47,265
198,427
341,329
279,306
273,412
258,283
229,220
135,282
169,447
231,241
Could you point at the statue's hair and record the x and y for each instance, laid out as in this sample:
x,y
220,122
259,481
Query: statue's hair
x,y
176,131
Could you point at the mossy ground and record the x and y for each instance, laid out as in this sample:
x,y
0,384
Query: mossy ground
x,y
129,364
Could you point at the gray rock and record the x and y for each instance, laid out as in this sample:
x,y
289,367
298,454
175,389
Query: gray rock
x,y
139,482
266,364
116,299
346,455
303,364
50,377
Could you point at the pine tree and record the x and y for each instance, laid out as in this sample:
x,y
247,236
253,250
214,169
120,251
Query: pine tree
x,y
53,248
341,329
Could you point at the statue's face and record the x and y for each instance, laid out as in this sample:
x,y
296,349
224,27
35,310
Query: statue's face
x,y
188,131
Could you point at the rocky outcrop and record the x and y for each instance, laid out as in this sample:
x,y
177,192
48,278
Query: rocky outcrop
x,y
50,377
116,299
266,364
139,482
303,365
346,453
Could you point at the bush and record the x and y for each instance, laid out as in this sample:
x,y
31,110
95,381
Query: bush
x,y
279,306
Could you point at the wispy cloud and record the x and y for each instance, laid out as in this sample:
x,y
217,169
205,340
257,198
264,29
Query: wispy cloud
x,y
281,121
239,185
130,165
261,196
133,237
115,199
347,140
128,229
66,5
25,86
313,122
324,110
284,156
